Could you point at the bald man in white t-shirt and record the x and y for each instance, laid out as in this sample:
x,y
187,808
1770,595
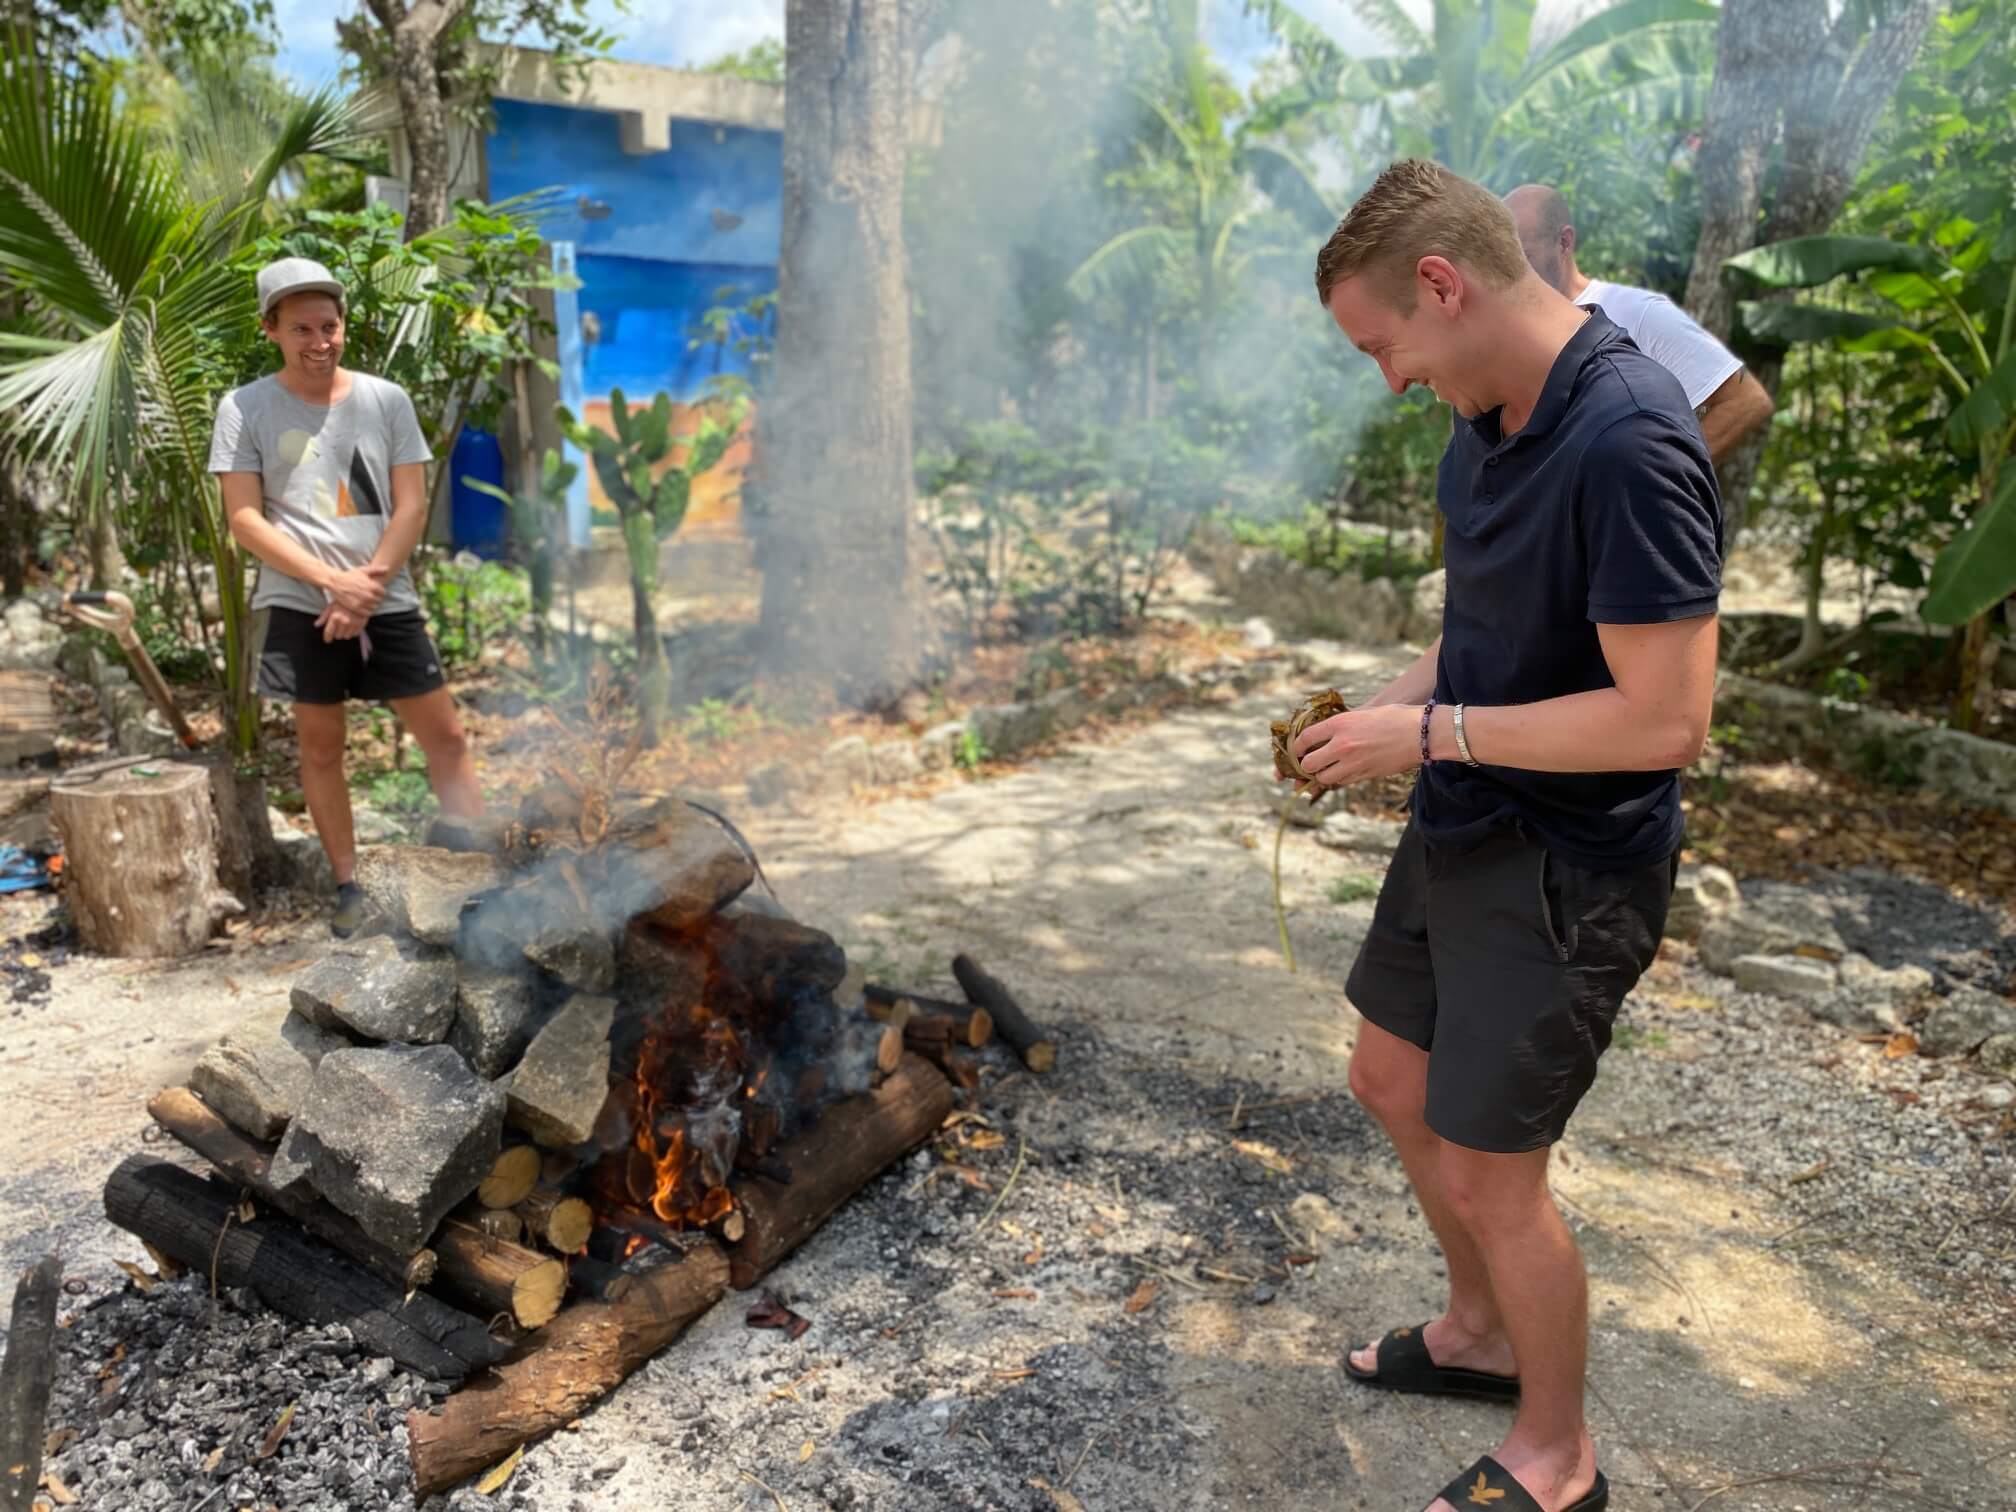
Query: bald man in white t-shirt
x,y
1730,403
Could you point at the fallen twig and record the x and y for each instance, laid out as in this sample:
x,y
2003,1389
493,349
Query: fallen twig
x,y
1021,1149
1280,914
1817,1475
758,1480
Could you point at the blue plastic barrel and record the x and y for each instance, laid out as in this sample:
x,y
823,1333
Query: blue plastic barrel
x,y
476,520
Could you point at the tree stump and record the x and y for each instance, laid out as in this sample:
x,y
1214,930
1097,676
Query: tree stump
x,y
140,869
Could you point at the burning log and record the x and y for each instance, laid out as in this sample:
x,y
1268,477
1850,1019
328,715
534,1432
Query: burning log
x,y
851,1144
198,1223
586,1352
604,1280
499,1275
1038,1050
512,1179
246,1161
557,1220
972,1028
26,1380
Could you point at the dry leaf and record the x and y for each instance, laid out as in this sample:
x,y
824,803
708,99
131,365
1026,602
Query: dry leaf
x,y
1016,1294
987,1139
1900,1044
972,1178
1065,1501
167,1267
270,1446
213,1459
1811,1173
493,1481
57,1442
1266,1154
1097,1230
59,1493
31,960
142,1279
1015,1375
1111,1214
1035,1256
805,1451
1143,1298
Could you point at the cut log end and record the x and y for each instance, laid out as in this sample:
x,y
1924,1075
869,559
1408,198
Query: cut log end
x,y
556,1220
538,1292
889,1049
1037,1049
512,1178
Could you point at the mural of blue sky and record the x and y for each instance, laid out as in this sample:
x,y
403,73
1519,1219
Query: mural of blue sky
x,y
643,316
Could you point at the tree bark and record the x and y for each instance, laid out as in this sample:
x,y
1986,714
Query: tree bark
x,y
581,1356
1784,72
196,1222
26,1380
140,872
839,582
412,33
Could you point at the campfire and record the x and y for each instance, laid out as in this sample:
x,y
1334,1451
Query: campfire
x,y
587,1075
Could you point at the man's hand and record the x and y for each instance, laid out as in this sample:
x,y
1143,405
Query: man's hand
x,y
339,624
358,591
1361,744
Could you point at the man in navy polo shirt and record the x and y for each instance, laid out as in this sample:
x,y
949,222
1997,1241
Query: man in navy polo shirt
x,y
1572,679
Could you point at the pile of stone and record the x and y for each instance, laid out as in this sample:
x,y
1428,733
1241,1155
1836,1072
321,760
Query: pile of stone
x,y
558,1040
1790,943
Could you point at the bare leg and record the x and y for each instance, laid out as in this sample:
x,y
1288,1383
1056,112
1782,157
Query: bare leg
x,y
451,764
1537,1276
320,730
1389,1076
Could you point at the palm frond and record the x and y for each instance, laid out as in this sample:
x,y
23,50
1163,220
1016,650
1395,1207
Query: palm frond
x,y
1389,19
1128,260
1290,183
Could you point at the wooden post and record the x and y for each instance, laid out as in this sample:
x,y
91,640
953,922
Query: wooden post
x,y
198,1223
140,858
833,1160
25,1382
563,1370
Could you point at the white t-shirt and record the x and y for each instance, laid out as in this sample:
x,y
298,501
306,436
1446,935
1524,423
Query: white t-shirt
x,y
1668,335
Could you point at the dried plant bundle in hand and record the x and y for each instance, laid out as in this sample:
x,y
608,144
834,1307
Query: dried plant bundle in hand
x,y
1315,708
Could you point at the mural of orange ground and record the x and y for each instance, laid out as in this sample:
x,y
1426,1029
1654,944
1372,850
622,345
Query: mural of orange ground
x,y
714,512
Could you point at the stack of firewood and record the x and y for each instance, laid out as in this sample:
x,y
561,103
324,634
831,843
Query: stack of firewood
x,y
575,1085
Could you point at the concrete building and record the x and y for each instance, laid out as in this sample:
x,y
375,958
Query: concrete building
x,y
667,188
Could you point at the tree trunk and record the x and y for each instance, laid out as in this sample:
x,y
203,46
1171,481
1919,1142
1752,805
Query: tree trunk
x,y
839,591
412,33
140,870
17,532
1782,70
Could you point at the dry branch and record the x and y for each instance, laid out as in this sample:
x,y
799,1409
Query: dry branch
x,y
1037,1049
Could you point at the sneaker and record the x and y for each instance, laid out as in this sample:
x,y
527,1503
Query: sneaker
x,y
349,915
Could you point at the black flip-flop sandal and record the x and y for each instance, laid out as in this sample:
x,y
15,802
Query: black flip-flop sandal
x,y
1490,1485
1405,1365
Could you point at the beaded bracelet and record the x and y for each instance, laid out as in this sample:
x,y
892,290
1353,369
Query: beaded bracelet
x,y
1427,710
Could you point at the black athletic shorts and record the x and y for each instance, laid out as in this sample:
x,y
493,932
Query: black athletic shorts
x,y
1507,965
300,667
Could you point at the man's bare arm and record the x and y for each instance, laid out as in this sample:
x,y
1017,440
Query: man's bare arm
x,y
1655,718
1732,412
409,517
1415,685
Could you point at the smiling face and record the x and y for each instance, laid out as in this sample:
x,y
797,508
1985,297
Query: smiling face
x,y
1425,344
308,329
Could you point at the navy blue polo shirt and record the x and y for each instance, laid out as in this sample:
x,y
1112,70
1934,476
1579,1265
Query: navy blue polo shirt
x,y
1601,510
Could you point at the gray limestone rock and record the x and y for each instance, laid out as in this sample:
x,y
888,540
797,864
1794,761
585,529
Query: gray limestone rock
x,y
1776,923
846,764
376,989
1786,975
938,747
897,761
1969,1018
1005,729
395,1136
563,1080
1065,708
483,835
494,1015
258,1075
1700,893
772,784
420,889
1998,1054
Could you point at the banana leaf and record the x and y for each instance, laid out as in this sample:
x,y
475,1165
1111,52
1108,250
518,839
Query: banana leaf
x,y
1985,415
1806,262
1977,570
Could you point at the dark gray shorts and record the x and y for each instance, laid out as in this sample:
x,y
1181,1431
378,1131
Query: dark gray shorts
x,y
1507,965
298,666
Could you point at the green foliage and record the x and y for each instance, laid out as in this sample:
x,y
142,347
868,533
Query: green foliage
x,y
403,796
1353,887
440,315
969,751
538,533
471,603
1325,541
762,61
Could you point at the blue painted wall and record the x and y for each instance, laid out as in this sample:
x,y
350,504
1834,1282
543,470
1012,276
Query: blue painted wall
x,y
715,197
657,240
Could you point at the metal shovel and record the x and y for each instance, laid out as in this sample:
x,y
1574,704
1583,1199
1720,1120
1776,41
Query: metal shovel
x,y
113,613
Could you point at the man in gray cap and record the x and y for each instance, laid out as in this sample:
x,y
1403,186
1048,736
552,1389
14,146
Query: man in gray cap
x,y
1728,401
324,478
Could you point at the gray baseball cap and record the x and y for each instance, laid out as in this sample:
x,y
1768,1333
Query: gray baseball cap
x,y
295,275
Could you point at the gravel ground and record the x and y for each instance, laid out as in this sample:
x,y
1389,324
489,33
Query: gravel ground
x,y
1803,1261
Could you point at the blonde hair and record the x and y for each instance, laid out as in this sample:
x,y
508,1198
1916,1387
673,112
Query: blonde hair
x,y
1418,209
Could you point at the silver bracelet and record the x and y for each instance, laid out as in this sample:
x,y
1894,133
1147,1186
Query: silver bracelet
x,y
1462,742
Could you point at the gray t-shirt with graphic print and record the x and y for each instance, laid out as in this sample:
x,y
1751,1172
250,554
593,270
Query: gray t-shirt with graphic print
x,y
326,473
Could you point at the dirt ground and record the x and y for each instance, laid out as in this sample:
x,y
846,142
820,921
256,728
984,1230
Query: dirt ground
x,y
1121,885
